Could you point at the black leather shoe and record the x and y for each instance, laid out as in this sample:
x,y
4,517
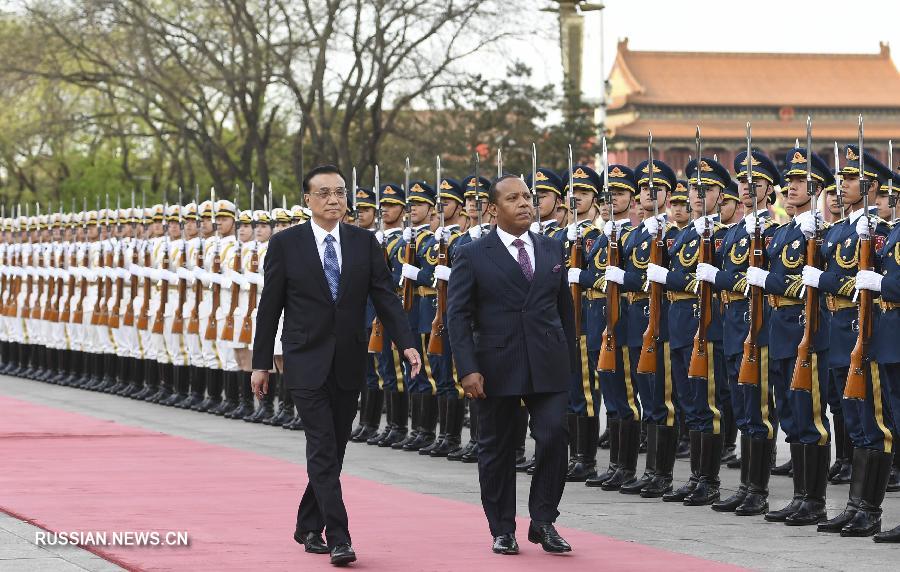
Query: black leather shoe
x,y
892,535
312,542
505,544
547,537
342,554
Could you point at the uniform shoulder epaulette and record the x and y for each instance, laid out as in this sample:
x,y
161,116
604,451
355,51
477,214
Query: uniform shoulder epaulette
x,y
769,222
717,226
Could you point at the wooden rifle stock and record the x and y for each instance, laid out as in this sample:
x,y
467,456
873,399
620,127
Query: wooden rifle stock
x,y
802,378
103,318
212,325
409,287
246,335
119,292
859,357
228,328
143,318
35,311
128,319
749,372
607,360
160,319
376,338
699,366
193,326
70,293
576,261
650,339
78,310
436,339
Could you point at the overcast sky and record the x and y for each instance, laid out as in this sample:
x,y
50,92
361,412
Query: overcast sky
x,y
818,26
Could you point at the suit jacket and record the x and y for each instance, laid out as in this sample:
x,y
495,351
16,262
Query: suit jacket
x,y
318,331
519,335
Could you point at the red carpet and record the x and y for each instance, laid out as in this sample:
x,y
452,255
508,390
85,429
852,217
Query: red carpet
x,y
69,472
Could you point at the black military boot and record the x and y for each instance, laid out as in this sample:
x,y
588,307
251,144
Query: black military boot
x,y
894,480
797,458
109,372
245,397
757,501
629,447
181,381
815,478
731,503
683,450
892,535
295,424
441,405
682,492
588,436
856,491
415,411
388,420
166,383
572,426
151,380
213,391
231,394
265,413
97,374
661,483
453,440
400,419
362,407
118,365
427,423
782,470
470,451
614,443
867,520
197,377
839,474
371,415
707,490
603,443
635,487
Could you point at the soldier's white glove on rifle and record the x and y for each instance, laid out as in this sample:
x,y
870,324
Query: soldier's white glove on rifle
x,y
407,234
868,280
379,236
757,276
442,272
707,272
750,223
862,227
572,232
615,274
653,223
574,275
608,227
811,276
808,223
410,272
702,223
441,233
475,232
656,273
535,227
186,274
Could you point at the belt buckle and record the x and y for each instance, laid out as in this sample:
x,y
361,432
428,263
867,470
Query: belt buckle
x,y
647,311
854,325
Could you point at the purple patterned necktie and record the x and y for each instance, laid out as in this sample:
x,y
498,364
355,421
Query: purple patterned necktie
x,y
524,261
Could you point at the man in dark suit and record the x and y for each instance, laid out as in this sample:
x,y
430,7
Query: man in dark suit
x,y
512,329
320,274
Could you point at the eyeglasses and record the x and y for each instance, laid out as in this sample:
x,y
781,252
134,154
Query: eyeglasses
x,y
323,194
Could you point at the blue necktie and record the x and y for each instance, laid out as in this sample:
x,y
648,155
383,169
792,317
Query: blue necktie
x,y
332,270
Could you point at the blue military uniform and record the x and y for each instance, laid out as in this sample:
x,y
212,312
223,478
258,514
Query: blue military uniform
x,y
868,420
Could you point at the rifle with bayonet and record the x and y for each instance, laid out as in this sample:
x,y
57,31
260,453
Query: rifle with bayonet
x,y
78,311
534,195
194,320
119,265
160,319
246,335
409,249
105,259
749,372
699,365
436,339
128,318
607,360
376,338
143,318
575,249
212,325
35,311
650,339
228,328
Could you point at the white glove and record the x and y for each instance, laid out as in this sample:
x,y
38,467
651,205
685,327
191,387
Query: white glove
x,y
811,276
656,273
475,232
701,224
407,234
535,227
862,227
224,281
750,224
441,233
185,274
615,274
572,232
255,278
868,280
203,276
757,276
136,270
574,275
707,272
410,272
607,228
807,223
379,236
442,272
169,277
239,279
653,223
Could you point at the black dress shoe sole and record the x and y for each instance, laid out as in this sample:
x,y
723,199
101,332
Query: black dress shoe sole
x,y
534,539
512,552
323,549
343,560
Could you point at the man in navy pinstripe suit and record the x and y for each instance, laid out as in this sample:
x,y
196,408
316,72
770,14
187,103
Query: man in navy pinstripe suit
x,y
512,328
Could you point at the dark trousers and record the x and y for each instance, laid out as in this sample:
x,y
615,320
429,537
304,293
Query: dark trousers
x,y
327,414
497,442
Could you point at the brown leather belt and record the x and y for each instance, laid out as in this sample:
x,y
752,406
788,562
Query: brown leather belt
x,y
729,297
838,303
776,301
676,296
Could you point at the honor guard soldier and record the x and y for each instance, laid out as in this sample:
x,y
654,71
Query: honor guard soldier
x,y
752,397
615,382
679,207
866,404
807,426
582,418
207,358
654,387
731,209
393,208
235,319
421,388
699,396
549,188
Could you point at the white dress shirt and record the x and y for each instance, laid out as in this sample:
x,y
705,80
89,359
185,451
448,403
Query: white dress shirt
x,y
320,234
507,240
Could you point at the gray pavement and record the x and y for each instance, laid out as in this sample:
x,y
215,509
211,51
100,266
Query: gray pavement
x,y
699,531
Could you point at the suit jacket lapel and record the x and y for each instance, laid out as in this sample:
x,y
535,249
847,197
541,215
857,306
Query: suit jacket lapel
x,y
498,253
310,250
348,257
